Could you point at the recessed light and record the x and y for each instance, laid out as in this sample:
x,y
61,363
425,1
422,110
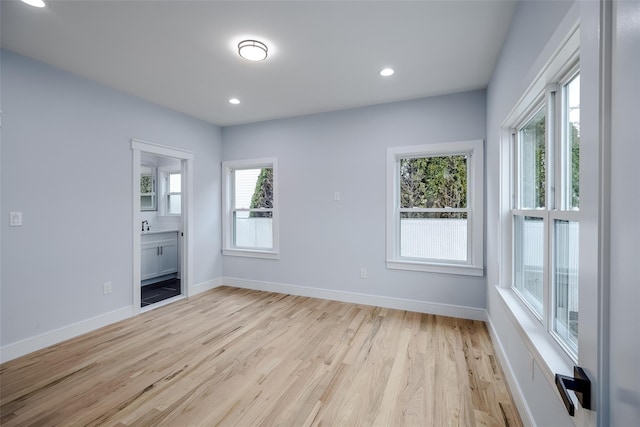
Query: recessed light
x,y
253,50
35,3
386,72
234,101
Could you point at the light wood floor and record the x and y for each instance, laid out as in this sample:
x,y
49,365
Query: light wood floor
x,y
246,358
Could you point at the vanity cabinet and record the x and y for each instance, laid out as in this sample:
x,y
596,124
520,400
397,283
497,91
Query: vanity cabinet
x,y
159,255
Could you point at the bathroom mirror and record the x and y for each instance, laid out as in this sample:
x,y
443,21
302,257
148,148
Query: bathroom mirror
x,y
148,200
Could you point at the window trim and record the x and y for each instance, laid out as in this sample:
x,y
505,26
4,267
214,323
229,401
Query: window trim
x,y
474,266
166,193
227,208
561,66
561,50
551,100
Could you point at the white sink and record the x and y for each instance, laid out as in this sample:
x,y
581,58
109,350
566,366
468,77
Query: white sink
x,y
160,230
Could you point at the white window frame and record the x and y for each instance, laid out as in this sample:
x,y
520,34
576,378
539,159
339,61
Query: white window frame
x,y
562,55
474,266
164,178
552,100
228,247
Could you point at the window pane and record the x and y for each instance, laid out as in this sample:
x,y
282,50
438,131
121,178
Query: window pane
x,y
147,202
531,177
434,235
146,184
565,275
174,204
175,183
433,182
253,230
253,188
572,123
529,259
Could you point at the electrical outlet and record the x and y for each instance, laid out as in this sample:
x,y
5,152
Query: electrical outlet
x,y
106,288
363,273
15,219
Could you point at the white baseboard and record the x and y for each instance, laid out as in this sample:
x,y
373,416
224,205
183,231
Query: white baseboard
x,y
205,286
510,378
29,345
365,299
26,346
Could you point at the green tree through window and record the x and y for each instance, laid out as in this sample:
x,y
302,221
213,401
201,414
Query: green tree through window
x,y
263,193
433,182
541,182
575,165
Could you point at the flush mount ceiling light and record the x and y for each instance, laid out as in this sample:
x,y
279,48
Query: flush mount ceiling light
x,y
386,72
253,50
234,101
35,3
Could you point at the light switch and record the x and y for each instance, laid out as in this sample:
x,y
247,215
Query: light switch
x,y
336,196
15,219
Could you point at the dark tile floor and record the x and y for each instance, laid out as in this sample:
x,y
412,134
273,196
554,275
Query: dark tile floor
x,y
160,291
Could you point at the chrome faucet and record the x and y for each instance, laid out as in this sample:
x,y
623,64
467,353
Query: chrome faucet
x,y
143,223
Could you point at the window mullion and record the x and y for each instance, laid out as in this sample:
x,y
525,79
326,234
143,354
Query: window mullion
x,y
515,170
548,273
560,154
552,154
554,194
561,148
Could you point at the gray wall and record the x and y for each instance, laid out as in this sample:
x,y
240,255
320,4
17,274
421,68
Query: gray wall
x,y
67,166
324,243
624,281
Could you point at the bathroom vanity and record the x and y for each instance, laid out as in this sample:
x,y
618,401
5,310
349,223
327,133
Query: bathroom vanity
x,y
159,254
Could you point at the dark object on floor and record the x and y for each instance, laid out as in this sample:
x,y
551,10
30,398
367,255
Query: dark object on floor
x,y
160,291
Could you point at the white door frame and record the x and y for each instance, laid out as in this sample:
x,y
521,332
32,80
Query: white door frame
x,y
186,157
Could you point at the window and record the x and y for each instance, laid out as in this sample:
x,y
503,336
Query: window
x,y
170,190
147,188
545,209
174,193
435,208
250,208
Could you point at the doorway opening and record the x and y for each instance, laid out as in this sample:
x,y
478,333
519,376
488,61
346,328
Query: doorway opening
x,y
162,211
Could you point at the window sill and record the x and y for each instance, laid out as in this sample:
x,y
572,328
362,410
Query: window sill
x,y
249,253
547,353
465,270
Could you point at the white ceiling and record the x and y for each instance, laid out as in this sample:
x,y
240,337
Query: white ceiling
x,y
323,55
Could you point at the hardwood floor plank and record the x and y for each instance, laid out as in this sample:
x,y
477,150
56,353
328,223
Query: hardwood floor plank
x,y
236,357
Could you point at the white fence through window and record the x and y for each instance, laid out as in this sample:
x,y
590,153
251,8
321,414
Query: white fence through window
x,y
254,232
434,238
566,259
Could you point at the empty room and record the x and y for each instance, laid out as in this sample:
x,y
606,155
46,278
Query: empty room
x,y
319,213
